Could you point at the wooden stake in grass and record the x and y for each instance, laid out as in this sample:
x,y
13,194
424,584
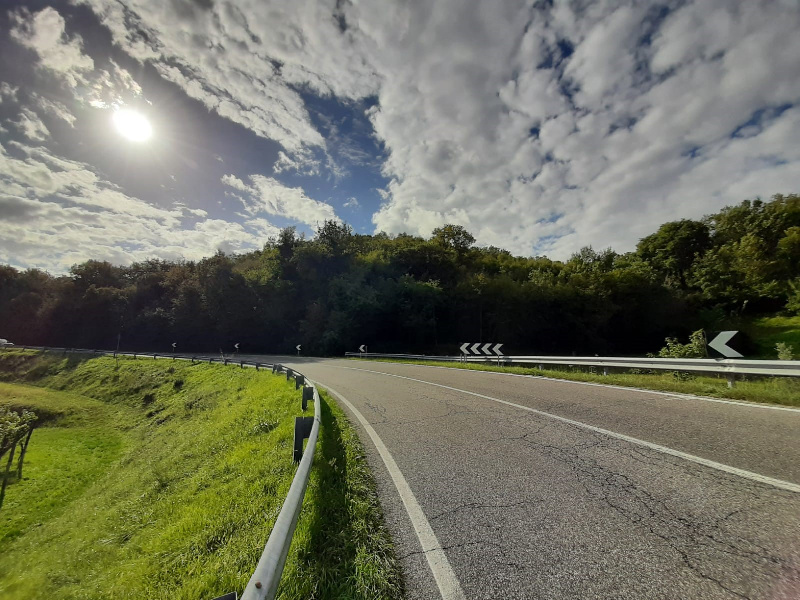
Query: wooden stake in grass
x,y
5,475
23,451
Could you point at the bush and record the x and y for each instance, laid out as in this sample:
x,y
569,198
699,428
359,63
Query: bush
x,y
785,351
696,348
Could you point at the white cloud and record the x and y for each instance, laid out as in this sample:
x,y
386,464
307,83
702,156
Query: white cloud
x,y
56,212
62,54
54,109
8,92
352,202
612,126
488,117
268,195
31,126
45,33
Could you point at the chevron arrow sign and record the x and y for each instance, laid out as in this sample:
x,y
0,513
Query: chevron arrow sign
x,y
723,345
481,349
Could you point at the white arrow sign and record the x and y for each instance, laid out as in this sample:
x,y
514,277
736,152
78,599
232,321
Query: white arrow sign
x,y
236,345
496,349
720,344
298,347
476,348
486,348
465,348
361,348
173,345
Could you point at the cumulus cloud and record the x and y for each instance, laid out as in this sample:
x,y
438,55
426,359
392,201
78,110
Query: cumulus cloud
x,y
247,60
268,195
352,202
31,126
8,92
563,129
56,212
45,33
539,128
62,55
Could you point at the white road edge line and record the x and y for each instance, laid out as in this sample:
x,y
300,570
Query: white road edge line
x,y
610,386
446,579
778,483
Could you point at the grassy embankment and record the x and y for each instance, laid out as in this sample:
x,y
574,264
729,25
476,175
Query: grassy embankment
x,y
774,390
766,332
154,479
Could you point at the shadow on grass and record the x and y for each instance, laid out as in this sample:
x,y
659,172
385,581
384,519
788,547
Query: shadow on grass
x,y
350,553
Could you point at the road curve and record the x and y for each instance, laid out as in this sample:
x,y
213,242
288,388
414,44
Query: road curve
x,y
531,488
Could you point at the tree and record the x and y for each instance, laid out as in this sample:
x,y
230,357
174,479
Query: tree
x,y
673,249
455,237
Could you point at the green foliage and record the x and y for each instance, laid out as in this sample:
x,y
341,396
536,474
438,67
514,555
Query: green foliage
x,y
695,348
785,351
338,290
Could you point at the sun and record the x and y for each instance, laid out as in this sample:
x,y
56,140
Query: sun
x,y
132,125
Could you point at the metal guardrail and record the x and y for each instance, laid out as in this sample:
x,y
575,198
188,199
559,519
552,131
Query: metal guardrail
x,y
729,367
263,584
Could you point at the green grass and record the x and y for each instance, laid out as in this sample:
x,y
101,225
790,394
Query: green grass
x,y
768,331
776,390
170,478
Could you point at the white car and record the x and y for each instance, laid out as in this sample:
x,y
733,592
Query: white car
x,y
4,343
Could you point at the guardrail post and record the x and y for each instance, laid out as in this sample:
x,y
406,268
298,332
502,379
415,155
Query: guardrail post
x,y
289,374
302,429
226,362
308,394
241,364
257,365
298,381
605,370
731,380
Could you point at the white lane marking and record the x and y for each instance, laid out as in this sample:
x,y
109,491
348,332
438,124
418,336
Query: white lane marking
x,y
778,483
610,386
446,579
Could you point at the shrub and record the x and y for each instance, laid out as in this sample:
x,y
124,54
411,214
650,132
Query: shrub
x,y
785,351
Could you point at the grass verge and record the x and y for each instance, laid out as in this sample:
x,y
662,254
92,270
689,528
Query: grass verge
x,y
776,390
165,479
768,331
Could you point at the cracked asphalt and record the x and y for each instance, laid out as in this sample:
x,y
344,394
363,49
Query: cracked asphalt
x,y
528,507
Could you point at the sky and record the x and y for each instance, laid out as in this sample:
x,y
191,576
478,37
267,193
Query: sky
x,y
541,127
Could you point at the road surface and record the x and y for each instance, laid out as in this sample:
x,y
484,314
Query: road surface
x,y
499,486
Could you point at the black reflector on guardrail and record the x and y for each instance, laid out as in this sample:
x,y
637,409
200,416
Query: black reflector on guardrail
x,y
302,429
308,394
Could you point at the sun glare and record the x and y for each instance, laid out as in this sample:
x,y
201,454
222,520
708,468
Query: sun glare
x,y
132,125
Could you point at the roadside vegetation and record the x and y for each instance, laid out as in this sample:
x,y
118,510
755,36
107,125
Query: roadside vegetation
x,y
775,390
156,479
738,268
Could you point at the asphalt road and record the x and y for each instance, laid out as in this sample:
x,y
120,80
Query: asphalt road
x,y
508,487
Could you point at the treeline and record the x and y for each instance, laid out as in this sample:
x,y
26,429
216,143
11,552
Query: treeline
x,y
405,293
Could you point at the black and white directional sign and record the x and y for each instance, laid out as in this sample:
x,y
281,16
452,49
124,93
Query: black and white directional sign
x,y
173,345
725,344
362,348
297,347
236,345
481,349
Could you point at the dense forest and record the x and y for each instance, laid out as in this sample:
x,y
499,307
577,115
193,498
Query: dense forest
x,y
338,290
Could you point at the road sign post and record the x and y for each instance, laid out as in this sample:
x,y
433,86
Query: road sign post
x,y
298,349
